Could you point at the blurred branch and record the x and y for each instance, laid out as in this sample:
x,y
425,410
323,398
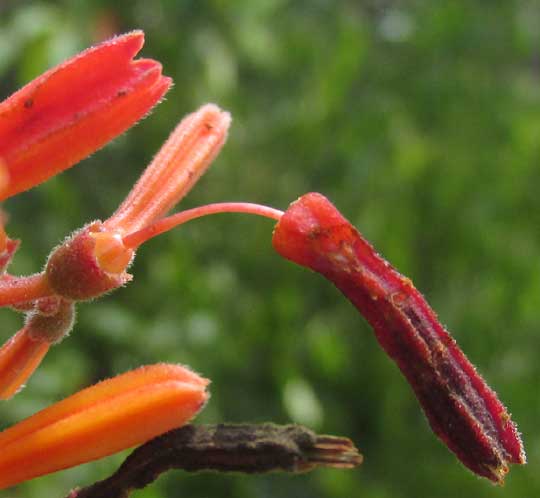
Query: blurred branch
x,y
245,448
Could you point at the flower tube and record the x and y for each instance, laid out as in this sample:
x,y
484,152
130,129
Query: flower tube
x,y
108,417
461,408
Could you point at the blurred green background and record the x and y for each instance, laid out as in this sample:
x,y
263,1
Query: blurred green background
x,y
419,119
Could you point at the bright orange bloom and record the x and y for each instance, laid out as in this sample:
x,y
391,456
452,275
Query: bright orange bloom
x,y
74,109
101,420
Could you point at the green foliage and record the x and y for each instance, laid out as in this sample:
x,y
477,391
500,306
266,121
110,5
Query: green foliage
x,y
420,120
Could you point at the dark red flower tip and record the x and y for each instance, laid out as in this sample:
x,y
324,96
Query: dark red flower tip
x,y
460,407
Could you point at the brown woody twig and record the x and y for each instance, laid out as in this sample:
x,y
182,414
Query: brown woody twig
x,y
245,448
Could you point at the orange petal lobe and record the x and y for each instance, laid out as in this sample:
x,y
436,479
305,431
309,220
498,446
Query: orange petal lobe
x,y
111,416
75,108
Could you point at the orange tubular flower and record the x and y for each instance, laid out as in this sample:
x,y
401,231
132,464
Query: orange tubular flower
x,y
98,421
74,109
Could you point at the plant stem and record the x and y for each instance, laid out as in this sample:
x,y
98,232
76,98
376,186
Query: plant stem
x,y
246,448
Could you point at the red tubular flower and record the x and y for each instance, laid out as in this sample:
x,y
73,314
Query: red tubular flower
x,y
111,416
461,408
74,109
